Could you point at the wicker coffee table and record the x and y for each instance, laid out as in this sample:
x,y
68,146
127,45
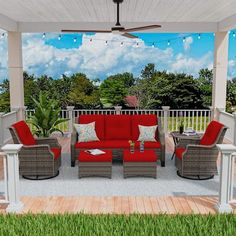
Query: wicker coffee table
x,y
139,163
95,165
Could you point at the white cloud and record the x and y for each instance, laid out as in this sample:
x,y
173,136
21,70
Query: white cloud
x,y
187,43
191,65
231,69
98,60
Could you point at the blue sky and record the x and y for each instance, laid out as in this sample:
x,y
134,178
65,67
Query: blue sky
x,y
92,55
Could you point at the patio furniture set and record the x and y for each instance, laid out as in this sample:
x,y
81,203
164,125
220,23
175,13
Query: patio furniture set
x,y
195,157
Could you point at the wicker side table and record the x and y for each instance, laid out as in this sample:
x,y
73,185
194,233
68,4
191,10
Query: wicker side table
x,y
176,135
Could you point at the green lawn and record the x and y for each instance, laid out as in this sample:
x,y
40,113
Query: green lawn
x,y
80,224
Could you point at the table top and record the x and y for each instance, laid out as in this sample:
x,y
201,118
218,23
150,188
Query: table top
x,y
137,156
177,134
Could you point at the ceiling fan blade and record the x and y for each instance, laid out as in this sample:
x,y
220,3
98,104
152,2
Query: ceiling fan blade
x,y
142,28
86,31
131,36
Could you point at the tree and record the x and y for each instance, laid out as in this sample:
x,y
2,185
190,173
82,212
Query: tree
x,y
83,94
4,96
205,86
114,89
148,71
231,91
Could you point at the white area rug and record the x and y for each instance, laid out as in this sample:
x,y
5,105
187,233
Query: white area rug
x,y
167,183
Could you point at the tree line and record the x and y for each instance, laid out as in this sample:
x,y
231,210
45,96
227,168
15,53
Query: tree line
x,y
153,89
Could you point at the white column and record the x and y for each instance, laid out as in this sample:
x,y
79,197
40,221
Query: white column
x,y
166,110
226,177
11,151
70,115
15,69
220,72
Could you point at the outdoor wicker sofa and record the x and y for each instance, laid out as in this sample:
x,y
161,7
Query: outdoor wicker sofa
x,y
39,158
114,133
197,158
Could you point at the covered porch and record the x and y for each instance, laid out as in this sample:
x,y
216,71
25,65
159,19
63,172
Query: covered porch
x,y
207,17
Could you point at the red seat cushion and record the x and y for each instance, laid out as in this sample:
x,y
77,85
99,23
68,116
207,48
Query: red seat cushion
x,y
86,157
211,134
24,133
179,152
145,120
146,156
56,152
117,127
99,123
123,144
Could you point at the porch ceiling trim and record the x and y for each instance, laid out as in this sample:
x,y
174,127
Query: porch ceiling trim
x,y
228,24
7,24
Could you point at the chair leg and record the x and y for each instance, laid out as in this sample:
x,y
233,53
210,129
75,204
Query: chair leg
x,y
38,177
72,163
195,177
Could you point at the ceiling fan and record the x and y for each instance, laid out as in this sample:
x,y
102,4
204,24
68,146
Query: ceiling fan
x,y
118,28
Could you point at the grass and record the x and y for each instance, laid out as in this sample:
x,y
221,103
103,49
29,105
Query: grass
x,y
80,224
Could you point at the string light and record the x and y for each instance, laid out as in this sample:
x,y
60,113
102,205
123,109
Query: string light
x,y
234,34
106,43
75,39
153,45
199,36
2,36
44,35
59,37
91,40
121,44
137,44
184,39
168,43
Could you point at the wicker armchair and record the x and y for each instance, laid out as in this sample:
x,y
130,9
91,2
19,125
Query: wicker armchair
x,y
39,158
197,158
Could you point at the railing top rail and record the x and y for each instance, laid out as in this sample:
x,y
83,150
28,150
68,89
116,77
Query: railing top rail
x,y
9,114
226,113
190,110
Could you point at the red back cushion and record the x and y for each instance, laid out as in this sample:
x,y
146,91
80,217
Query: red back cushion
x,y
145,120
117,127
24,133
99,123
211,134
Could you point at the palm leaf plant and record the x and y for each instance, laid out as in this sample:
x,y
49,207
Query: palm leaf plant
x,y
46,117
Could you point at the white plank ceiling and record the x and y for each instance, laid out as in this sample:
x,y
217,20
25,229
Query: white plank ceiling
x,y
105,10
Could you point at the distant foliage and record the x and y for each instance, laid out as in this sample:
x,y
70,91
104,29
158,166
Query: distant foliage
x,y
153,89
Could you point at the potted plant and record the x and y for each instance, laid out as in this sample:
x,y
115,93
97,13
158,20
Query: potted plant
x,y
46,117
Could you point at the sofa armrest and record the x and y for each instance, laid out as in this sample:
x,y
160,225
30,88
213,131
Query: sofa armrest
x,y
52,142
74,139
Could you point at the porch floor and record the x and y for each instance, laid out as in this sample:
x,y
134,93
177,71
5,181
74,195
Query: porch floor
x,y
119,204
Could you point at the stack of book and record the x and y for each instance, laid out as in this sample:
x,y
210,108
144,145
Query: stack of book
x,y
189,132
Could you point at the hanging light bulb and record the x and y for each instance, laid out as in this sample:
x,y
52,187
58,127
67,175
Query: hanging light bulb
x,y
168,43
75,39
59,37
153,45
137,44
199,36
184,39
214,34
106,43
44,35
121,44
2,36
234,34
90,40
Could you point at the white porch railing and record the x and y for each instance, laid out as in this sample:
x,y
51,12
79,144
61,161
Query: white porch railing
x,y
6,120
196,119
229,120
